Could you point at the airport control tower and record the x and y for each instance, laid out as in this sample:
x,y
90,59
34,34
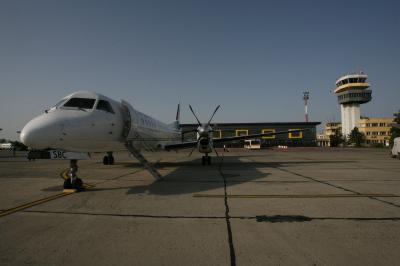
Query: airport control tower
x,y
352,90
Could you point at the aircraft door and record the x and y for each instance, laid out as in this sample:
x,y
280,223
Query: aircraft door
x,y
127,120
130,125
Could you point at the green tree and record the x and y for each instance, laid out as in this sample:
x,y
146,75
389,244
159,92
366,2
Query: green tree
x,y
336,139
356,137
395,131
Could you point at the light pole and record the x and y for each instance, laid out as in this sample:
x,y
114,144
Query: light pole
x,y
306,96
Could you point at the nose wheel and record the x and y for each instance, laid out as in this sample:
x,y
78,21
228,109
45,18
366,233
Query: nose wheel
x,y
206,160
73,182
108,159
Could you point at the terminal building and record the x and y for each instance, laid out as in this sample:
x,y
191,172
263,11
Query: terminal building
x,y
222,130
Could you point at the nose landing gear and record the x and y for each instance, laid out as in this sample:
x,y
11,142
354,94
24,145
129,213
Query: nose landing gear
x,y
108,159
73,182
206,159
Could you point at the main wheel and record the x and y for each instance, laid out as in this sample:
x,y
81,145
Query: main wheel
x,y
105,160
67,183
203,160
77,184
208,160
111,160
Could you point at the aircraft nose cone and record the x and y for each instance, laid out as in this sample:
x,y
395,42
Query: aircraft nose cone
x,y
39,133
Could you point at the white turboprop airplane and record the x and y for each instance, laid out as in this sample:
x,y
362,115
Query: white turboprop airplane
x,y
85,122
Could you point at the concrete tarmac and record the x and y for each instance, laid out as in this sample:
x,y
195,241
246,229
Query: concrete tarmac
x,y
300,206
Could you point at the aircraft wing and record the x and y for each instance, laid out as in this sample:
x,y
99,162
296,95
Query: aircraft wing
x,y
183,145
190,144
257,135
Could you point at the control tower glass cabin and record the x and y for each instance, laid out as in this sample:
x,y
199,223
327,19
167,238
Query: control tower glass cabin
x,y
352,90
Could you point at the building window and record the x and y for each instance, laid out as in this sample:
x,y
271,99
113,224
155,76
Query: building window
x,y
295,135
242,132
217,134
268,131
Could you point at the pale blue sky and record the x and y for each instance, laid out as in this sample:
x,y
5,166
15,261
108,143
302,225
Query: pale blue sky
x,y
253,57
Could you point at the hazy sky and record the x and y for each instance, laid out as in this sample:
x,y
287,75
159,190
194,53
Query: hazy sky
x,y
253,57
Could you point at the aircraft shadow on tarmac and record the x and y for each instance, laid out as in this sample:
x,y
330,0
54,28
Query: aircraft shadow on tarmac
x,y
191,177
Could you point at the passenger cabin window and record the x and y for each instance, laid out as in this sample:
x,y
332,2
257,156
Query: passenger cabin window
x,y
83,103
105,106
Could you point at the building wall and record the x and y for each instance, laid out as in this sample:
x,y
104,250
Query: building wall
x,y
332,127
350,117
323,140
222,130
376,130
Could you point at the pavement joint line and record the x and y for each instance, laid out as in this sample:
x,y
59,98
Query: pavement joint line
x,y
255,217
338,187
335,186
67,192
53,197
34,203
227,216
295,196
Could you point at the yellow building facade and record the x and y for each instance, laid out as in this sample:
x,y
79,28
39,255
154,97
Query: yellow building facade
x,y
332,127
376,130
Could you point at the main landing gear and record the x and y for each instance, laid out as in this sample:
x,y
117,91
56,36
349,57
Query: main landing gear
x,y
73,182
206,159
108,159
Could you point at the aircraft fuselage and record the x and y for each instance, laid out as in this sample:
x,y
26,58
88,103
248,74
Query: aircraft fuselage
x,y
91,122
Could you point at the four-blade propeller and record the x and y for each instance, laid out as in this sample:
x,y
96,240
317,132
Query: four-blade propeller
x,y
203,130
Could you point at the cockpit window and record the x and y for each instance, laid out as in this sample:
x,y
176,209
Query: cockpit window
x,y
83,103
105,106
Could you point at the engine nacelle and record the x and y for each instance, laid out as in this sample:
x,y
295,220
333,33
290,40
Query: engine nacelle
x,y
205,145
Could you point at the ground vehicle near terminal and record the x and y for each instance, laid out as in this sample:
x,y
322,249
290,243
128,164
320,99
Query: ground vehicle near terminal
x,y
6,146
395,152
252,144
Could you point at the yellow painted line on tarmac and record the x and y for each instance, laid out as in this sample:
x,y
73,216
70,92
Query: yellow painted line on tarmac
x,y
294,196
34,203
65,192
